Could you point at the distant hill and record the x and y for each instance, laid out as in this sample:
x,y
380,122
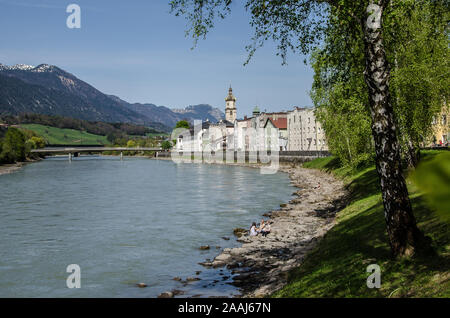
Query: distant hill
x,y
47,89
59,136
170,117
202,111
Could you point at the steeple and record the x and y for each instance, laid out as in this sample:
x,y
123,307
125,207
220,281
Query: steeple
x,y
256,111
230,106
230,96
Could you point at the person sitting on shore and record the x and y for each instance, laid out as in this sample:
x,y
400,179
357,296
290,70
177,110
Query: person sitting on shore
x,y
266,229
261,225
318,186
254,230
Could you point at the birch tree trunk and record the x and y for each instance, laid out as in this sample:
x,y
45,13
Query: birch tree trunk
x,y
413,155
404,236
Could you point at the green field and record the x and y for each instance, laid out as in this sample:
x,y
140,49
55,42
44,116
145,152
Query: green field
x,y
337,266
59,136
151,135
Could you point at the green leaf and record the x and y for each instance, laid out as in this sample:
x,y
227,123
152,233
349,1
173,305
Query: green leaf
x,y
433,178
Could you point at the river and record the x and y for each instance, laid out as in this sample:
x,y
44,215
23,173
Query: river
x,y
125,222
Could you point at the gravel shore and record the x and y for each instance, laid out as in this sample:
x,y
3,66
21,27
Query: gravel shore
x,y
261,264
9,168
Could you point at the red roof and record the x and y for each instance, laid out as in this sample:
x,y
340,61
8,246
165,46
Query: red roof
x,y
280,123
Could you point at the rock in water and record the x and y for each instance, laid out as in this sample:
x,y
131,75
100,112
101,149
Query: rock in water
x,y
206,264
239,232
177,292
166,295
204,247
141,285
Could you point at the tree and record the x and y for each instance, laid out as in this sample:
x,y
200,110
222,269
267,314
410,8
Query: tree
x,y
38,141
418,45
182,124
131,144
13,148
166,145
340,98
299,25
417,42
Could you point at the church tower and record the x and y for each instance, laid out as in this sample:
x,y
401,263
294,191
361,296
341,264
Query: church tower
x,y
230,108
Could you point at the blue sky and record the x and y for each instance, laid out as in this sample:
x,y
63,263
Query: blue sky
x,y
138,51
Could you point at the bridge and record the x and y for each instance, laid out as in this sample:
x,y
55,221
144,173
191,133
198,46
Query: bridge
x,y
75,151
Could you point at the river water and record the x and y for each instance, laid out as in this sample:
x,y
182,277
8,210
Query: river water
x,y
125,222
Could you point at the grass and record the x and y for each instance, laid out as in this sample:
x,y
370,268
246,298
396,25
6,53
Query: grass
x,y
337,266
157,134
59,136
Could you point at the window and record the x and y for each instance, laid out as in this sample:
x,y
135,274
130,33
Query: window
x,y
444,120
434,120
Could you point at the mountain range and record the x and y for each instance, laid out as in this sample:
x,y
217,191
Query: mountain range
x,y
47,89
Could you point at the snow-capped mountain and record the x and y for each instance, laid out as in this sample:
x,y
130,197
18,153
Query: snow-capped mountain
x,y
47,89
22,67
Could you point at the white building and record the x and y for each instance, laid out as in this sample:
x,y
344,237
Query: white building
x,y
279,135
296,130
230,106
304,131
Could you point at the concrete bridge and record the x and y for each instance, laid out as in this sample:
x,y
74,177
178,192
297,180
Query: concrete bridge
x,y
75,151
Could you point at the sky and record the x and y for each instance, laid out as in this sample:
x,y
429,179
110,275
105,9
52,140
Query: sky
x,y
138,50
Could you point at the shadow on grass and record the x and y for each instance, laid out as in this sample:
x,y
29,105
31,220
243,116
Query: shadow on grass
x,y
365,185
337,266
333,164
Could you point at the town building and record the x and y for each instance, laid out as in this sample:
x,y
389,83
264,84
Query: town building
x,y
295,130
304,131
230,108
280,127
441,127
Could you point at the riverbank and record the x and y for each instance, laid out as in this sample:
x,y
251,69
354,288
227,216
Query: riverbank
x,y
337,266
10,168
261,264
13,167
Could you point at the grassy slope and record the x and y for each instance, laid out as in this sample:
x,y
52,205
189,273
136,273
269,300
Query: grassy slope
x,y
157,134
337,266
58,136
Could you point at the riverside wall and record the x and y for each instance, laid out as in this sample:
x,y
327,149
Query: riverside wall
x,y
249,157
